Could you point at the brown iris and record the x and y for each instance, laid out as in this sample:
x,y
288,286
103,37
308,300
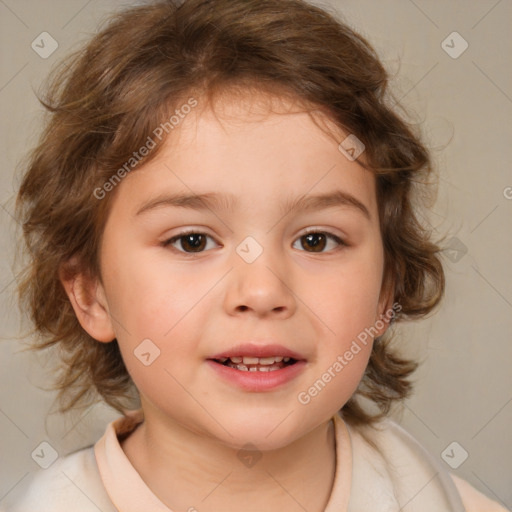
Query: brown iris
x,y
316,241
193,242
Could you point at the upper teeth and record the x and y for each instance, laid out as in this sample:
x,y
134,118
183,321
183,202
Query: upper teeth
x,y
256,360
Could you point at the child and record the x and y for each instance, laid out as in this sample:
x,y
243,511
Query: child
x,y
221,226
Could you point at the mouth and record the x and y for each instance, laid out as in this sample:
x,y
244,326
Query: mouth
x,y
258,368
256,364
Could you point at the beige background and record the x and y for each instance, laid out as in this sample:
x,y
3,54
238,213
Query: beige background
x,y
464,386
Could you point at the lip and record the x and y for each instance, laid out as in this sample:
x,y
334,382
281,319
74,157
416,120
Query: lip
x,y
254,350
258,381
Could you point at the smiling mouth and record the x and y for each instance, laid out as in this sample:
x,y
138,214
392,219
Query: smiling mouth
x,y
256,364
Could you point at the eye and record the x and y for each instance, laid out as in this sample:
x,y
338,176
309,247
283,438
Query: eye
x,y
194,242
190,241
318,240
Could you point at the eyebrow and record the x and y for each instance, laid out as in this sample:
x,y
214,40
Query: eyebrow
x,y
226,202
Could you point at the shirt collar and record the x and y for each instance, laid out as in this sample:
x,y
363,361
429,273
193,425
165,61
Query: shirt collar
x,y
129,493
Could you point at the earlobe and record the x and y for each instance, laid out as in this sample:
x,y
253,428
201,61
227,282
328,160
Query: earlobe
x,y
88,300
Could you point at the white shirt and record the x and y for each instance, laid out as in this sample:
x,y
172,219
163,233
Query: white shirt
x,y
397,475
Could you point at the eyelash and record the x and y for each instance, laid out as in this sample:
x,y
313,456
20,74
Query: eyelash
x,y
309,231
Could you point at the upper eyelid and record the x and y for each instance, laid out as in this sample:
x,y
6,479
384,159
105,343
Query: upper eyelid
x,y
307,231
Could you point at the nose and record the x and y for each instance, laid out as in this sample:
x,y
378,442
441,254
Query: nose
x,y
261,288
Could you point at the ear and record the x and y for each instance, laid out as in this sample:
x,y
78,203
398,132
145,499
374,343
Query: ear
x,y
385,310
87,297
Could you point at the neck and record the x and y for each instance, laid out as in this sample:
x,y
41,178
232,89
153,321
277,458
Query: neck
x,y
187,469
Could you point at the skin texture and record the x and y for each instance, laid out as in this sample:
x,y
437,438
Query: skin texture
x,y
195,305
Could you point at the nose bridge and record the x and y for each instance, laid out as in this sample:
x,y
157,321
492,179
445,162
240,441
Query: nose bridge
x,y
259,281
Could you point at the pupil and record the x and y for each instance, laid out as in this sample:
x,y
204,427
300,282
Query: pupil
x,y
195,246
312,240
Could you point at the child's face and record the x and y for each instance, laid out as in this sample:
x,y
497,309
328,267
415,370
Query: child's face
x,y
195,305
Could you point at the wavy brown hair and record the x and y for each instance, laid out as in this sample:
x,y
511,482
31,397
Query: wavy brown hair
x,y
104,101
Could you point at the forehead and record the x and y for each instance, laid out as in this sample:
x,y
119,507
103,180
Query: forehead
x,y
250,116
254,147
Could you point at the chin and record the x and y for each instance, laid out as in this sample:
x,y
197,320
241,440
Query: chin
x,y
269,433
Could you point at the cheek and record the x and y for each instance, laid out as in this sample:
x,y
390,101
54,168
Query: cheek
x,y
333,386
149,296
348,300
348,308
149,300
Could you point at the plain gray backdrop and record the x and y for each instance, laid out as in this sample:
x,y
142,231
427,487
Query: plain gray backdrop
x,y
463,98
